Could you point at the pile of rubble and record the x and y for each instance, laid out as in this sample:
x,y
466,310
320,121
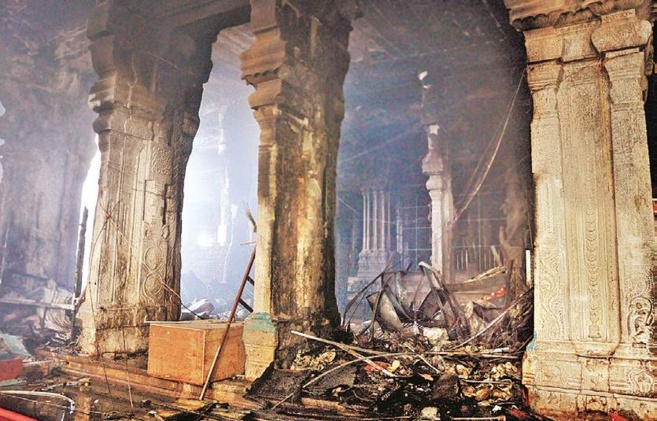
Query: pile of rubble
x,y
425,352
38,310
402,376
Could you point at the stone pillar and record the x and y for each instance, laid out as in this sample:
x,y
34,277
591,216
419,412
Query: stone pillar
x,y
594,225
346,240
513,235
400,234
48,145
366,222
436,166
147,98
376,251
297,65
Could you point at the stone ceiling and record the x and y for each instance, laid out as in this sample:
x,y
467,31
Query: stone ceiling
x,y
32,24
396,39
394,35
458,40
468,46
390,44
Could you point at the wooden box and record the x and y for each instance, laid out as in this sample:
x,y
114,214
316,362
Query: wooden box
x,y
183,351
10,368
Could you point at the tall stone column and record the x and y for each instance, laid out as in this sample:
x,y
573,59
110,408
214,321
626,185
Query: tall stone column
x,y
297,65
147,98
376,249
594,224
436,166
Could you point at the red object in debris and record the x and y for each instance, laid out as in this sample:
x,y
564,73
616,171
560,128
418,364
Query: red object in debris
x,y
499,293
616,417
6,415
379,363
10,369
519,414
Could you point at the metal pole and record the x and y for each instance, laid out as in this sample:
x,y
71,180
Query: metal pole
x,y
231,317
79,266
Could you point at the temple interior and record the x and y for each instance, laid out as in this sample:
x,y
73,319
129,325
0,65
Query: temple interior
x,y
328,209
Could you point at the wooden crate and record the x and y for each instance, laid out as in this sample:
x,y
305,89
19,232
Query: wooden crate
x,y
10,367
183,351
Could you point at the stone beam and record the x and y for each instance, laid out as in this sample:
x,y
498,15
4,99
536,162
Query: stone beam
x,y
297,65
179,13
147,98
594,222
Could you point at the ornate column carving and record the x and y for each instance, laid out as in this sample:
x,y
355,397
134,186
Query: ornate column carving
x,y
366,221
550,309
297,65
631,168
147,98
594,224
375,218
377,242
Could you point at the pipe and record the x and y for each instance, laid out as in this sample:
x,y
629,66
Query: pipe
x,y
41,394
6,415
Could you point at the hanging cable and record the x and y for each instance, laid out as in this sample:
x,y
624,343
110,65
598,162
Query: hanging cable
x,y
475,189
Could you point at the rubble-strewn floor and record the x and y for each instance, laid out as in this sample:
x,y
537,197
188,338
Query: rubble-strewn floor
x,y
466,386
423,354
403,379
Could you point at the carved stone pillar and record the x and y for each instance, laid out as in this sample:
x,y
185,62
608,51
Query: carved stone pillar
x,y
147,98
377,220
594,225
297,65
436,166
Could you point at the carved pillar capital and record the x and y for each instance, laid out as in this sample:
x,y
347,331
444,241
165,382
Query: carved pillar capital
x,y
589,39
533,14
435,161
621,30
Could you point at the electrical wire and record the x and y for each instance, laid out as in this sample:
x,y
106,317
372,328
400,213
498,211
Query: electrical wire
x,y
471,194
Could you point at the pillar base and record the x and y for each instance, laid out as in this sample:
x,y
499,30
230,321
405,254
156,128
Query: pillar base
x,y
562,383
267,340
118,330
371,263
123,340
260,343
